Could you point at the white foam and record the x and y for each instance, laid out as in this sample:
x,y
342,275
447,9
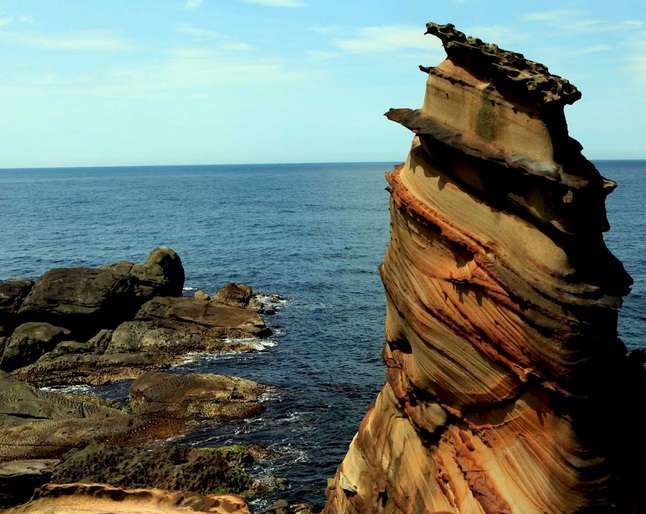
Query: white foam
x,y
253,343
270,300
248,344
70,389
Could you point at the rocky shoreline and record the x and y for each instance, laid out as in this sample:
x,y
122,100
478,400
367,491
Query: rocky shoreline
x,y
124,322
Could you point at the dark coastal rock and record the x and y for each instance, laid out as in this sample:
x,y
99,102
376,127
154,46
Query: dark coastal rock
x,y
28,342
91,368
510,71
174,468
284,507
175,327
101,498
195,396
20,402
231,321
236,295
19,479
42,425
161,275
80,298
87,299
12,293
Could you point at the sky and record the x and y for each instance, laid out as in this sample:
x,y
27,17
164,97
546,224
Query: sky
x,y
145,82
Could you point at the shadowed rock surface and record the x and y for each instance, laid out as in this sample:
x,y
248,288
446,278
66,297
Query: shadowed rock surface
x,y
28,342
508,389
12,293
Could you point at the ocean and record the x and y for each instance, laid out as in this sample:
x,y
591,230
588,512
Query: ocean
x,y
314,233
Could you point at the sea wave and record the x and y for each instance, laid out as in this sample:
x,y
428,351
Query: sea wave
x,y
84,389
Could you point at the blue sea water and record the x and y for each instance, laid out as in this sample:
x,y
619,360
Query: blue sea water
x,y
315,233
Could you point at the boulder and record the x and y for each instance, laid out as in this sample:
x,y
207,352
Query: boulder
x,y
28,342
195,396
81,298
161,275
12,293
87,299
236,295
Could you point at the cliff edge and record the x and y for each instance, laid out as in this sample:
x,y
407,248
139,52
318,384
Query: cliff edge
x,y
508,389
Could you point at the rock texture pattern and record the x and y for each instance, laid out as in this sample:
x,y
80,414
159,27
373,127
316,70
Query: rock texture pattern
x,y
101,498
508,389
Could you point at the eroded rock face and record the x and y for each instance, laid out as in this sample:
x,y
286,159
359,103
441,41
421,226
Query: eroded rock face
x,y
101,498
508,389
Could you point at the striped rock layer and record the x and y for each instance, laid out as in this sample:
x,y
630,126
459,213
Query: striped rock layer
x,y
508,390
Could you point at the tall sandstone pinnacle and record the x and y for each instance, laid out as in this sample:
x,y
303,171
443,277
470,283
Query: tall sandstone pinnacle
x,y
508,390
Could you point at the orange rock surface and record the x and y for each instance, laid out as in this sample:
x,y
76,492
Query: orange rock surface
x,y
103,499
508,389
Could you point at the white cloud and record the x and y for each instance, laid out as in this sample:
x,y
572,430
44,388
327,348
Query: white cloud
x,y
5,21
192,71
574,21
325,30
96,40
498,34
551,16
636,63
198,32
236,46
192,4
594,49
276,3
321,55
224,41
388,38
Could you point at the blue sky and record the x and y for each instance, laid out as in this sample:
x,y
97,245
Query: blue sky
x,y
98,82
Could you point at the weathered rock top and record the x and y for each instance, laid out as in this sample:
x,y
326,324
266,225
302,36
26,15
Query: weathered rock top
x,y
509,71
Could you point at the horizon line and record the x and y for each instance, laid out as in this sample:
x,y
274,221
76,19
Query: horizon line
x,y
110,166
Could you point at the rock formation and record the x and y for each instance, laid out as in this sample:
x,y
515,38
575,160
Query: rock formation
x,y
508,390
100,325
101,498
113,323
